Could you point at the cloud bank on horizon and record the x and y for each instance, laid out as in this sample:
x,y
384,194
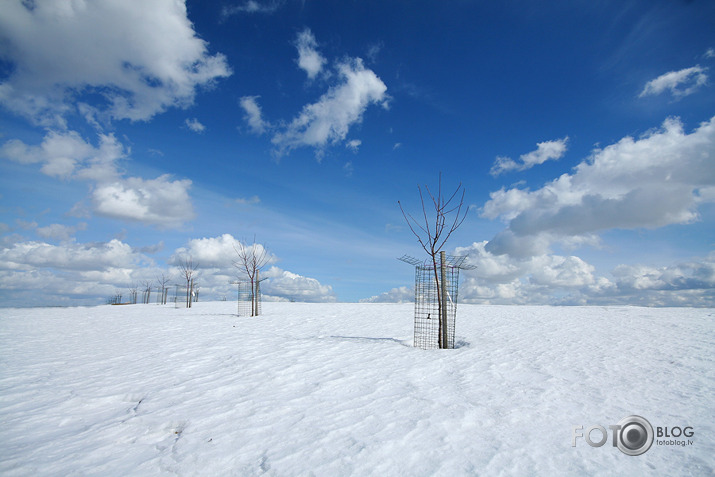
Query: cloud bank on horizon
x,y
121,153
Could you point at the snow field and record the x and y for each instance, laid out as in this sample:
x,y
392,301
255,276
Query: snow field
x,y
337,389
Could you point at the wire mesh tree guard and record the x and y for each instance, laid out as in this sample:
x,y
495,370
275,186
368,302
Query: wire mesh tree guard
x,y
436,293
249,297
249,300
184,296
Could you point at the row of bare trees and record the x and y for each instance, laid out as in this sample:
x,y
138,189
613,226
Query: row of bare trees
x,y
161,285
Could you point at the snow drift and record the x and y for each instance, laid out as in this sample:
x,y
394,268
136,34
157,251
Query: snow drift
x,y
337,389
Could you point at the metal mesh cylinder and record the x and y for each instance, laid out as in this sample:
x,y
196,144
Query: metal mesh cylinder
x,y
428,290
248,305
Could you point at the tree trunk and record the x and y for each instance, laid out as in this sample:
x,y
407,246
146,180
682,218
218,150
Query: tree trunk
x,y
255,296
440,345
443,292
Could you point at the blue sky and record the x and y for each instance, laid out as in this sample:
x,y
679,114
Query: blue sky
x,y
135,134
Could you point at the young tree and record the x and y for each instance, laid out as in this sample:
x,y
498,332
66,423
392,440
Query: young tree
x,y
432,233
163,282
251,259
188,271
133,291
147,290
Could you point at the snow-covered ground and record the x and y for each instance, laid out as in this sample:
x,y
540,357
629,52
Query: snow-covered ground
x,y
337,390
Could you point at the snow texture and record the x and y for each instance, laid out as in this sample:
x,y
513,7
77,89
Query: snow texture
x,y
337,389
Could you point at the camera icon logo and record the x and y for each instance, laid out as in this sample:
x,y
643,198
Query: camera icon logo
x,y
635,435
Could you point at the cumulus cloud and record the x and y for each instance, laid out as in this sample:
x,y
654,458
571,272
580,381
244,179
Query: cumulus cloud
x,y
309,58
537,279
195,125
217,252
161,201
59,231
328,120
649,182
68,256
545,279
678,83
39,273
291,286
90,272
547,150
216,257
395,295
683,276
253,114
62,50
550,279
66,155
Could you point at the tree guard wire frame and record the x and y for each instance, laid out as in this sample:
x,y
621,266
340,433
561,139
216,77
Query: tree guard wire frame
x,y
428,287
247,306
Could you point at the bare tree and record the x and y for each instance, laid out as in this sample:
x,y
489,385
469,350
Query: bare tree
x,y
163,282
251,259
147,290
133,291
188,271
432,233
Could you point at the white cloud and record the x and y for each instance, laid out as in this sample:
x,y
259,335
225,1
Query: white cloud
x,y
251,6
93,271
254,115
547,150
678,83
249,201
69,256
195,125
353,144
215,252
504,279
682,276
61,50
216,256
656,180
284,284
329,119
161,201
59,231
709,53
373,51
67,156
309,59
348,168
395,295
39,273
558,280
